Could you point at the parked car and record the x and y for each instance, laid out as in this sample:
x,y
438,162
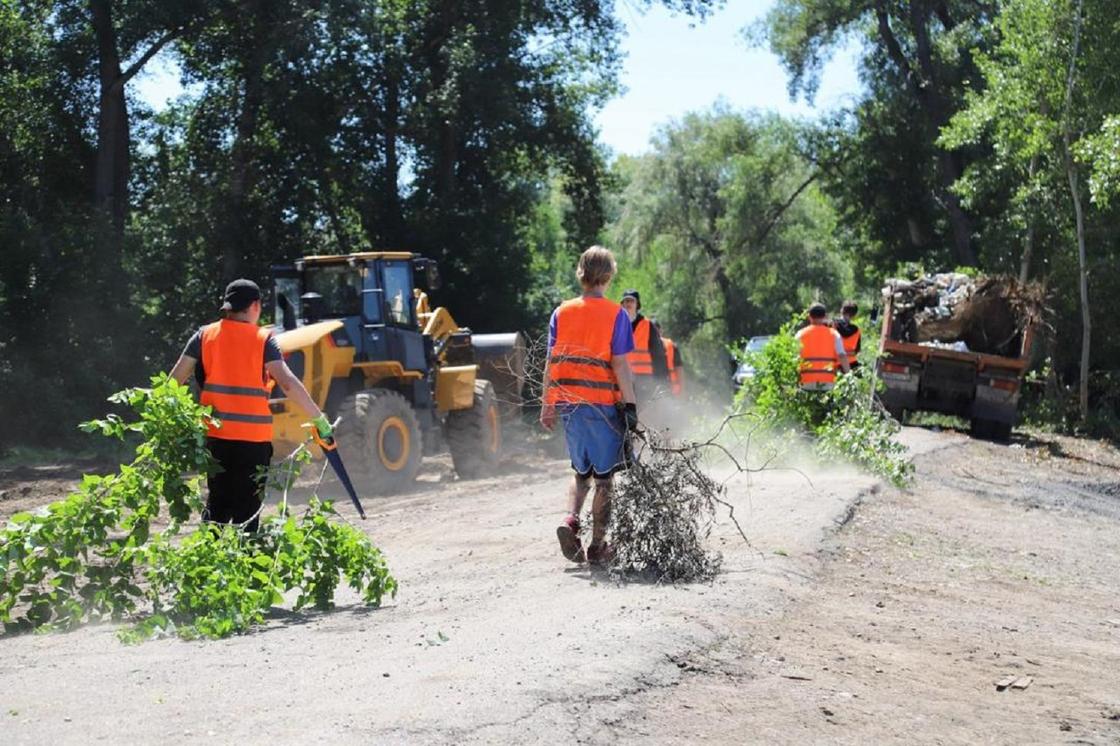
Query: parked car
x,y
745,371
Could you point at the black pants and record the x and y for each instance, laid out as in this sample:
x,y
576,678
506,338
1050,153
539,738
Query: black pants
x,y
237,488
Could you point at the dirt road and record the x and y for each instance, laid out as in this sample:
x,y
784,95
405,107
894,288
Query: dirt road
x,y
892,625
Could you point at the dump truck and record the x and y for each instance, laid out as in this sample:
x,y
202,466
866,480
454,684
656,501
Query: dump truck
x,y
958,345
402,378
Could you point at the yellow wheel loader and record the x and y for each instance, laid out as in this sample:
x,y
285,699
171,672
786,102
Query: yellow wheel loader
x,y
402,377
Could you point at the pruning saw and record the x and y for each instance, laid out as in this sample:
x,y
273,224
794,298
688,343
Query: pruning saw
x,y
330,450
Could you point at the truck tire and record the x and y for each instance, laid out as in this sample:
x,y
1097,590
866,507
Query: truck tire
x,y
994,430
379,440
475,435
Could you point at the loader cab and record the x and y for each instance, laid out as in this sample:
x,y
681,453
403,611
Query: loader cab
x,y
371,293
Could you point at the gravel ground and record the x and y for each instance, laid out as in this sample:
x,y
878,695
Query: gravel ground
x,y
858,613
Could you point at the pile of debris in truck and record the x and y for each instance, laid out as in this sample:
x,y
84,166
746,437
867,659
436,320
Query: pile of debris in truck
x,y
954,311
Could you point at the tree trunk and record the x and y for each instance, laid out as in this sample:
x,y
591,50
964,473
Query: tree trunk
x,y
924,86
447,153
1028,245
735,323
393,219
959,221
111,169
1079,214
449,156
242,233
1083,285
113,163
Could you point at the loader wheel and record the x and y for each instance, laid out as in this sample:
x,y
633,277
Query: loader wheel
x,y
379,439
475,435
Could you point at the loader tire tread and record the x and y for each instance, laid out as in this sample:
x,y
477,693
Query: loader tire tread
x,y
474,436
380,441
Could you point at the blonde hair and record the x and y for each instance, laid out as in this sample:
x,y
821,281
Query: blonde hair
x,y
596,267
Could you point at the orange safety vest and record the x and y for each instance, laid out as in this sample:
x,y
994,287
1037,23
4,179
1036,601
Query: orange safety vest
x,y
850,344
675,383
641,361
818,357
235,381
579,366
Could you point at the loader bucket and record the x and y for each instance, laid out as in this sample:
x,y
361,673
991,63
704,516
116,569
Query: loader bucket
x,y
501,360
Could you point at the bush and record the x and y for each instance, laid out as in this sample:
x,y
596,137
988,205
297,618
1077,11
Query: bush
x,y
1050,406
846,423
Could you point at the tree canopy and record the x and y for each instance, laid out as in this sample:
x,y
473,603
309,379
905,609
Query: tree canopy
x,y
986,135
308,126
723,228
981,126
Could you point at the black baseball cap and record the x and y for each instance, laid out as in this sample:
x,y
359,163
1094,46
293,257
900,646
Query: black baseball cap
x,y
240,294
817,311
632,293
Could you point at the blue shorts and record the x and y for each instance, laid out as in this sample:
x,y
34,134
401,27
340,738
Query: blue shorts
x,y
595,434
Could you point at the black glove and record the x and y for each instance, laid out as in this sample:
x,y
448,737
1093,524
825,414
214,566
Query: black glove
x,y
630,415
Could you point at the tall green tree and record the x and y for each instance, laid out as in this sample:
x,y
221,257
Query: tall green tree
x,y
344,125
458,129
917,63
723,227
60,307
1049,100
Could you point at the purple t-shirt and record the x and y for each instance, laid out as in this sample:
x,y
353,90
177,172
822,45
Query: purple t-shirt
x,y
622,339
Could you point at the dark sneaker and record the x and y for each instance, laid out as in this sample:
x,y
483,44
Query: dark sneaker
x,y
568,535
599,554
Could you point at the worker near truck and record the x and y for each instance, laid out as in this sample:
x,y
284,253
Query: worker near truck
x,y
822,352
589,387
673,361
232,360
647,361
849,332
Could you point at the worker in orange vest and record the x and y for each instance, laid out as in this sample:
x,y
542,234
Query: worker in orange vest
x,y
647,361
849,332
231,360
822,351
588,386
672,359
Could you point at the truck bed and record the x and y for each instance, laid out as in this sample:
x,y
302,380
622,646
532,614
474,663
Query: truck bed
x,y
981,387
982,360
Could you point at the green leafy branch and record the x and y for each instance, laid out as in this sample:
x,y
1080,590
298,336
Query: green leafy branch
x,y
94,556
845,423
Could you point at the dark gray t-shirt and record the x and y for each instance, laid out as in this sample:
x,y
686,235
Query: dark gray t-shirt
x,y
194,349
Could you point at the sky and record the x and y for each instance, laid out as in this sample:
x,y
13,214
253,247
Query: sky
x,y
669,69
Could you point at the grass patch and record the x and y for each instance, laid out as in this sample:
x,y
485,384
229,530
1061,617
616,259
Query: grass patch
x,y
937,419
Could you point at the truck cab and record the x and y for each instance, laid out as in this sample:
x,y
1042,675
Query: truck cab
x,y
364,307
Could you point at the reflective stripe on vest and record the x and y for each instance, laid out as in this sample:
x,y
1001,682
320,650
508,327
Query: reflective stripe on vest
x,y
641,361
235,386
851,342
674,372
818,355
579,367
